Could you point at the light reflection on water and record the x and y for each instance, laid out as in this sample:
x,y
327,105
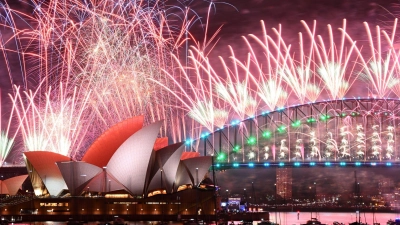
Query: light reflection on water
x,y
282,218
289,218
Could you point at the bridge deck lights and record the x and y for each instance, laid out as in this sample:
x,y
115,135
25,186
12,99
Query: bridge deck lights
x,y
204,135
188,141
235,122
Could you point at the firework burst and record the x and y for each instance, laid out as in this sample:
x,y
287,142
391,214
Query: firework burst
x,y
95,63
103,49
57,126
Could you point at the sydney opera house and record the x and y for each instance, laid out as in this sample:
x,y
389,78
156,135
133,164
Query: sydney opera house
x,y
128,172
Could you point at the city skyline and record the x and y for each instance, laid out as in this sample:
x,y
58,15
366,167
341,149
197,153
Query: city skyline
x,y
328,181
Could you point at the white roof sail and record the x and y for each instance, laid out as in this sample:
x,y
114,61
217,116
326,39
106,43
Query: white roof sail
x,y
45,165
167,160
182,176
77,174
13,184
130,163
198,168
103,182
3,188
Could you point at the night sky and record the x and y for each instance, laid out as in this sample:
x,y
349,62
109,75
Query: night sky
x,y
240,18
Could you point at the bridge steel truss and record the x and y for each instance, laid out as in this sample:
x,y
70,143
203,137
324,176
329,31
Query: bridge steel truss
x,y
348,130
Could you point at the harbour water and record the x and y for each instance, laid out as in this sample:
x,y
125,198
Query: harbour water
x,y
282,218
289,218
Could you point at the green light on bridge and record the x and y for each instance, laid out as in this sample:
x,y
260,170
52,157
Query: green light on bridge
x,y
267,134
311,120
324,117
296,123
281,129
221,156
252,140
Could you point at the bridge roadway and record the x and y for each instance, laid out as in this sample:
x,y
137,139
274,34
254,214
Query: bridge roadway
x,y
306,164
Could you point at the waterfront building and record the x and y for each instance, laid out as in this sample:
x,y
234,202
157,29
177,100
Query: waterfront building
x,y
128,172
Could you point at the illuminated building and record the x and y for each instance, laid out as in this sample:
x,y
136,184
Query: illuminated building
x,y
139,177
284,183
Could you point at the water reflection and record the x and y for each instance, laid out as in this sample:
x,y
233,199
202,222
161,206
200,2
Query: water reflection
x,y
288,218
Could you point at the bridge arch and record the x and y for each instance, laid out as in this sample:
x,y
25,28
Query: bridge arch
x,y
348,130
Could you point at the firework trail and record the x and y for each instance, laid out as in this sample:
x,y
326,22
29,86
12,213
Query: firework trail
x,y
201,103
6,142
56,127
298,74
235,90
383,64
269,81
334,63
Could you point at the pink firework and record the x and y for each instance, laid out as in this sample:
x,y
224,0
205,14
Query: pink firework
x,y
104,49
381,64
53,123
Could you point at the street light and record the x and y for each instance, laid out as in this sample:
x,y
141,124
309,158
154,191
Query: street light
x,y
161,171
315,191
276,207
197,176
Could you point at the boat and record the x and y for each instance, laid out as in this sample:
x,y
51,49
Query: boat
x,y
313,221
337,223
394,222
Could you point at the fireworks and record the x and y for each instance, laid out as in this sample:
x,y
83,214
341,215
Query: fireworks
x,y
103,54
322,131
57,126
84,66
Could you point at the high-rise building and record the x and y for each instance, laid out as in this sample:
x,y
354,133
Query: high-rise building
x,y
284,182
385,186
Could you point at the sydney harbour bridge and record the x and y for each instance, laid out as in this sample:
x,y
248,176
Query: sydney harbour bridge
x,y
347,132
